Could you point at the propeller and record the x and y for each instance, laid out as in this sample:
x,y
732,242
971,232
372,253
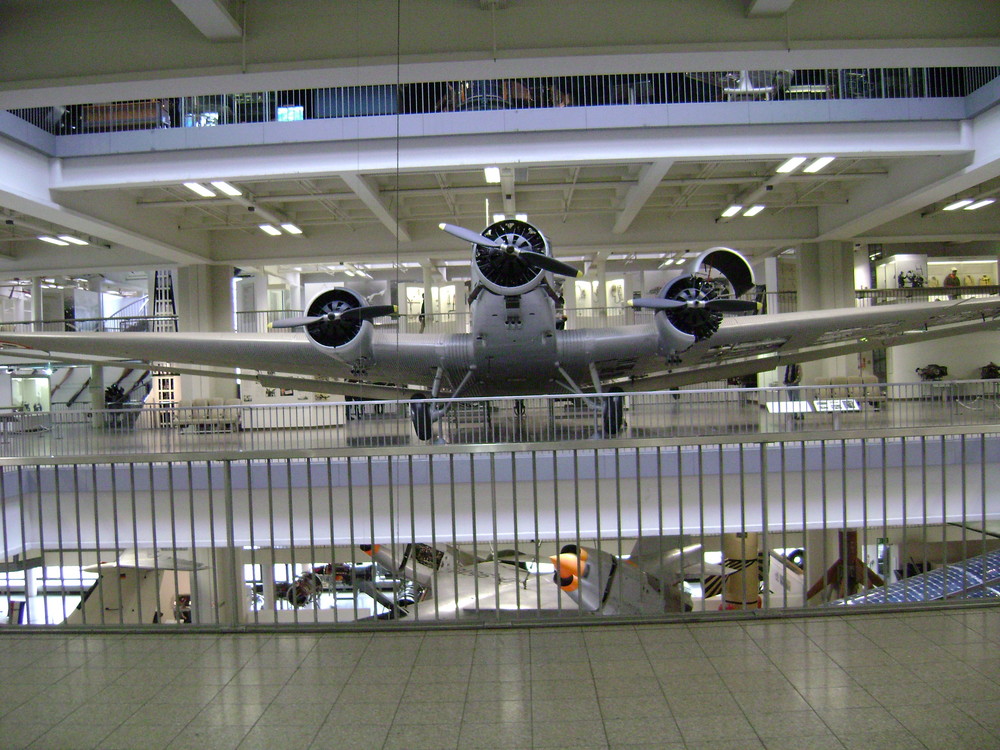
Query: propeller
x,y
712,305
367,312
469,236
501,247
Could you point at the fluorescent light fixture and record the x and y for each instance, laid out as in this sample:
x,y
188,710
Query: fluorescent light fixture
x,y
980,204
792,164
754,210
814,167
270,229
958,204
72,240
732,210
291,228
348,271
52,240
226,188
667,262
521,217
492,175
201,190
498,217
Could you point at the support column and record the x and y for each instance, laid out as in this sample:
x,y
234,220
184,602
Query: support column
x,y
36,303
428,306
96,392
825,281
204,298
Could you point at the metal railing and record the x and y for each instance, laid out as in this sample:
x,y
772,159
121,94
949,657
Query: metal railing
x,y
114,324
465,534
528,92
565,420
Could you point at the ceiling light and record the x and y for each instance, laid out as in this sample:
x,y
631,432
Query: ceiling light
x,y
818,164
270,229
980,204
521,217
498,217
72,240
958,204
348,271
226,188
667,262
732,210
291,228
52,240
201,190
792,164
754,210
492,175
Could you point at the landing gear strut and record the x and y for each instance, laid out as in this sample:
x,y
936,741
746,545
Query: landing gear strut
x,y
420,414
613,411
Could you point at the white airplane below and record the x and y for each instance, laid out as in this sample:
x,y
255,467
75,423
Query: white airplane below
x,y
514,346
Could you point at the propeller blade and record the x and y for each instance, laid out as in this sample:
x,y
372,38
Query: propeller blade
x,y
468,235
731,305
537,260
368,312
656,303
296,322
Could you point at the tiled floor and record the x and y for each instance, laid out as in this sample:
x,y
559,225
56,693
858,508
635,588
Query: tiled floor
x,y
915,680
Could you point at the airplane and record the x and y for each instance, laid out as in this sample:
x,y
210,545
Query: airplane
x,y
515,347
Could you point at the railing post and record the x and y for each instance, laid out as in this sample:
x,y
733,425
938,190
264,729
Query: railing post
x,y
236,572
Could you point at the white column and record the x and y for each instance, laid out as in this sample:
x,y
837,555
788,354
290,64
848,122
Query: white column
x,y
36,302
96,391
204,296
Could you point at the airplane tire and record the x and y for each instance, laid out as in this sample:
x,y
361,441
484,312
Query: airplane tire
x,y
614,412
420,414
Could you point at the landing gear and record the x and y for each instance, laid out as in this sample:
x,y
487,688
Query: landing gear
x,y
613,412
420,414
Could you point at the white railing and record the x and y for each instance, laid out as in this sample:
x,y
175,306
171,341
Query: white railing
x,y
680,414
528,92
465,534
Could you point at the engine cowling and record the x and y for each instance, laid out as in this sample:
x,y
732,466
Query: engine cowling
x,y
717,274
347,339
501,270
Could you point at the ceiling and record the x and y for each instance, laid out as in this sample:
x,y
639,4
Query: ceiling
x,y
624,193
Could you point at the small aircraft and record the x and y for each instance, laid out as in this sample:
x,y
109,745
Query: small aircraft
x,y
515,347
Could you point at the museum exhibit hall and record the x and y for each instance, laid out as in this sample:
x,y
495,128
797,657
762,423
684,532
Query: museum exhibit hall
x,y
371,372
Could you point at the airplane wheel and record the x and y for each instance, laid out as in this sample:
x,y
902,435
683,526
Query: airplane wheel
x,y
420,413
614,411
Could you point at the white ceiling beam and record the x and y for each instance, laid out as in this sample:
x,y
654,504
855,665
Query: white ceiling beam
x,y
212,18
638,194
915,184
370,197
764,8
25,187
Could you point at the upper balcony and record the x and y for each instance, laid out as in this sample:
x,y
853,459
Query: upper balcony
x,y
509,104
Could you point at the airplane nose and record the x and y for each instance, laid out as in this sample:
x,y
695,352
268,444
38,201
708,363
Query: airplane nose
x,y
571,566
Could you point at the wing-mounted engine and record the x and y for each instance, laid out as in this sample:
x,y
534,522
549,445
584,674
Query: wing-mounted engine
x,y
338,323
510,257
691,306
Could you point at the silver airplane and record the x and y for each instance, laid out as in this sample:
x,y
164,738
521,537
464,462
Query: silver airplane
x,y
515,346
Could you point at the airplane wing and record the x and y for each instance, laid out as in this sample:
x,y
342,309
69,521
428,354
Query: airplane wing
x,y
275,359
755,343
628,355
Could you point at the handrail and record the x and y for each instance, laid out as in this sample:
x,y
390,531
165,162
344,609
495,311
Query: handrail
x,y
849,406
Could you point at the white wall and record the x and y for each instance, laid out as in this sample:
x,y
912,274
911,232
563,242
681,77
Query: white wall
x,y
962,355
